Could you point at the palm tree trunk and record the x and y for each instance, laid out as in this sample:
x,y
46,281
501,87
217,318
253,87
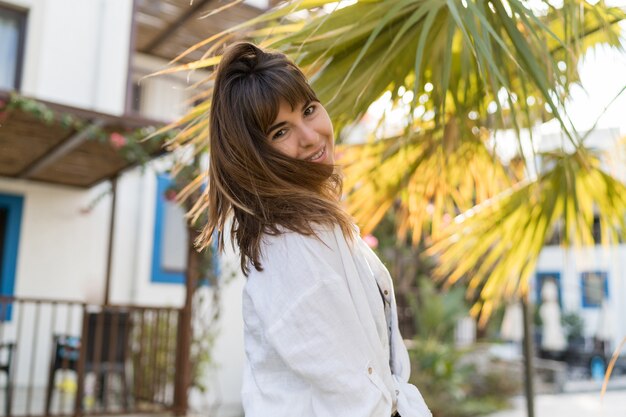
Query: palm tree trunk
x,y
528,357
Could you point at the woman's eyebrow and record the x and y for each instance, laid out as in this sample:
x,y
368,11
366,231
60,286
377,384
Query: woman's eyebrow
x,y
276,126
281,124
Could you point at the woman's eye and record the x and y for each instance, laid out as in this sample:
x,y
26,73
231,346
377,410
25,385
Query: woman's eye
x,y
279,133
309,110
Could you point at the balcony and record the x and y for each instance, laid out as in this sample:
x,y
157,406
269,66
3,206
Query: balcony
x,y
63,358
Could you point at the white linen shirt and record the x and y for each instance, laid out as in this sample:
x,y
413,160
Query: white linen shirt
x,y
316,337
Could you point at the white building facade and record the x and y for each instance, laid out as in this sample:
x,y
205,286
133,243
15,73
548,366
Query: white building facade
x,y
76,53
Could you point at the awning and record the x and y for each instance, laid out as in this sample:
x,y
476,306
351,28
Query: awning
x,y
58,144
167,28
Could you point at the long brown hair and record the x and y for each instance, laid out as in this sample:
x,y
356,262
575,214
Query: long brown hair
x,y
265,191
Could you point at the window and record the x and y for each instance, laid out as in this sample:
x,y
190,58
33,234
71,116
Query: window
x,y
136,93
10,224
12,35
596,230
554,238
169,253
595,288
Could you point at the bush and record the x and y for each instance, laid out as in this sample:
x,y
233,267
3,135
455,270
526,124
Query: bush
x,y
454,387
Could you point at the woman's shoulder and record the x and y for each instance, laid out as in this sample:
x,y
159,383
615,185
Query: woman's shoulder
x,y
293,265
297,257
289,242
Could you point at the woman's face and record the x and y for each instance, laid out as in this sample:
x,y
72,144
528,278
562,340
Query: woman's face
x,y
304,132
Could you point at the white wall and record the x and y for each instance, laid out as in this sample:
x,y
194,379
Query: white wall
x,y
223,382
62,251
132,284
76,52
164,97
62,255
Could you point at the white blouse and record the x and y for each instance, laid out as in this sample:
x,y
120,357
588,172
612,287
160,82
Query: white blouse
x,y
317,339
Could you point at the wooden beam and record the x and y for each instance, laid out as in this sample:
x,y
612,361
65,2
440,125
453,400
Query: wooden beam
x,y
131,121
107,283
529,384
61,150
168,31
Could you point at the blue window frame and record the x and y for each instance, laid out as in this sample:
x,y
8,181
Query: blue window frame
x,y
595,288
542,277
11,221
169,252
169,233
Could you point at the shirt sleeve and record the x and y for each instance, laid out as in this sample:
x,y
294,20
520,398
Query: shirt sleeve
x,y
321,339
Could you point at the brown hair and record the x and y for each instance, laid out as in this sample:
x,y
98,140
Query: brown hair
x,y
265,191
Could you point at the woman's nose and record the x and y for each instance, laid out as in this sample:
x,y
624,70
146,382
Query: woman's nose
x,y
308,136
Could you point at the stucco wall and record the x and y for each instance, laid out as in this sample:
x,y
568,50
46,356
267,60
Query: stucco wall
x,y
62,255
570,263
76,52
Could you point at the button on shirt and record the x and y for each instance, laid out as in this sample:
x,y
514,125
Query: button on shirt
x,y
318,340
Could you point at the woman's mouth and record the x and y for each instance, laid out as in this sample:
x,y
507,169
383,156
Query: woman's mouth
x,y
319,156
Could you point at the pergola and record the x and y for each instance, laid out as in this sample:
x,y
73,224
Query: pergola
x,y
166,28
50,151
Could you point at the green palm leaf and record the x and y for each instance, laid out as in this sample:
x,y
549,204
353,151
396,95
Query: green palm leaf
x,y
470,67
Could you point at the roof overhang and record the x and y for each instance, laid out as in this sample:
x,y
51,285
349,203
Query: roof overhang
x,y
166,28
59,144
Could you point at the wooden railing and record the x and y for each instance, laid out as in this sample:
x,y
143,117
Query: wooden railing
x,y
60,357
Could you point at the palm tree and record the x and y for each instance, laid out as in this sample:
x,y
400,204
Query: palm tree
x,y
457,71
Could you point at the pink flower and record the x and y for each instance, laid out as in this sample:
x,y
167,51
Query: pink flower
x,y
116,140
170,194
371,241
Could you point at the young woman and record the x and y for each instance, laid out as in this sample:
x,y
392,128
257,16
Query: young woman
x,y
321,327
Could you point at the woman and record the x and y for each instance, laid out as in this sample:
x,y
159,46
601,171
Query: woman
x,y
321,328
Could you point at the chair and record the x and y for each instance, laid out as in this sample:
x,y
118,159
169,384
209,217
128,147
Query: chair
x,y
112,329
6,368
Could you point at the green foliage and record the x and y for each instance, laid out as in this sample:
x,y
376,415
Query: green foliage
x,y
452,380
573,325
458,71
154,349
437,312
454,387
131,144
153,354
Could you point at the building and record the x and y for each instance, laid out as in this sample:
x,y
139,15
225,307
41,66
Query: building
x,y
591,281
85,62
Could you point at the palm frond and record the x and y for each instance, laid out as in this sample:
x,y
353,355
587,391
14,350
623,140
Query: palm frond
x,y
495,245
465,69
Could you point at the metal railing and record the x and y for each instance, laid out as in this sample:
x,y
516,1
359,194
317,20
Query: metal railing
x,y
60,357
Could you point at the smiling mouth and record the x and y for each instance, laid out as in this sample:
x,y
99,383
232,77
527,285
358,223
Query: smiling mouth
x,y
317,156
